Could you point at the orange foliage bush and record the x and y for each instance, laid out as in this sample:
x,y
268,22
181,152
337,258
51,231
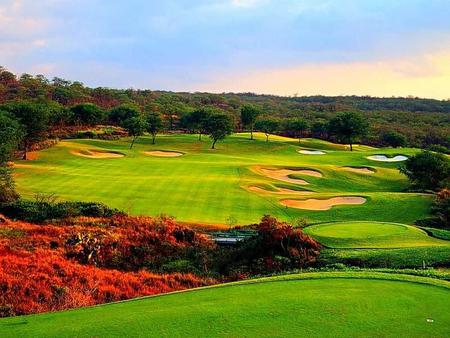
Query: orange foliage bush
x,y
37,276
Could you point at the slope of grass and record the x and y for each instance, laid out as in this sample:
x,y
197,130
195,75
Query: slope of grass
x,y
344,304
210,186
371,235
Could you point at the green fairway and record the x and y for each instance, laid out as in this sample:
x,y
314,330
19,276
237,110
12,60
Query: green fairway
x,y
214,186
371,235
309,305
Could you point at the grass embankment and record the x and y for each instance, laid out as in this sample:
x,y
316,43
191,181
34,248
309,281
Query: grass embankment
x,y
212,186
339,304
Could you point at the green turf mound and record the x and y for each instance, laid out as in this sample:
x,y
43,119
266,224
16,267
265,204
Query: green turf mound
x,y
309,305
371,235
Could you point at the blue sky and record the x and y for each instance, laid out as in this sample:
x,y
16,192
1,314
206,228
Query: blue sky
x,y
375,47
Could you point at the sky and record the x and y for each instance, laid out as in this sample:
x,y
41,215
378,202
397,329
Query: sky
x,y
283,47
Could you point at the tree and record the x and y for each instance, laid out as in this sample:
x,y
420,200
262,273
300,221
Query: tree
x,y
427,170
154,124
196,120
441,207
87,114
268,126
34,121
10,137
393,139
249,113
123,112
296,127
319,129
218,126
135,126
348,127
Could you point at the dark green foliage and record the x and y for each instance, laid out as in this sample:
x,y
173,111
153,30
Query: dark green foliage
x,y
196,121
33,119
123,112
218,126
267,126
348,127
154,124
42,210
427,170
10,136
135,126
249,113
295,127
87,114
441,207
393,139
7,187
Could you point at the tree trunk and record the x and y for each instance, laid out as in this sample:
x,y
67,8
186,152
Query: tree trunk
x,y
132,142
351,147
199,135
153,138
251,132
267,137
214,144
25,151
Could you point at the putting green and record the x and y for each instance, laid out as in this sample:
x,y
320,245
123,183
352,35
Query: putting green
x,y
213,186
371,235
308,305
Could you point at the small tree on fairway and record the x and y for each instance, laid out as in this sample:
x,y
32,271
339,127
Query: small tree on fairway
x,y
154,124
348,127
196,121
427,170
296,128
268,126
393,139
135,126
249,113
218,126
123,112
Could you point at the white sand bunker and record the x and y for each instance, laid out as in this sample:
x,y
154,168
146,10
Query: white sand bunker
x,y
311,152
90,153
163,153
384,158
279,191
283,174
360,170
316,204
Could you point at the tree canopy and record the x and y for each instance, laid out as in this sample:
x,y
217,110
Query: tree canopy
x,y
348,127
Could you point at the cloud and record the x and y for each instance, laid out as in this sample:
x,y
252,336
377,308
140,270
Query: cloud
x,y
425,76
247,3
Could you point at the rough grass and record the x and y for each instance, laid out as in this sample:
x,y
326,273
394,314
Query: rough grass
x,y
209,186
343,304
371,235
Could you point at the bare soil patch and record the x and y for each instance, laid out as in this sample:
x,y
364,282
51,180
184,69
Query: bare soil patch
x,y
311,152
283,174
360,170
323,204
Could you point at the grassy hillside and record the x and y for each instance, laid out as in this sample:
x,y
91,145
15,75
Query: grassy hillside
x,y
315,305
215,186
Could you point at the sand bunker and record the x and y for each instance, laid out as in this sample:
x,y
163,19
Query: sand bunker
x,y
384,158
279,191
311,152
163,153
316,204
283,174
89,153
360,170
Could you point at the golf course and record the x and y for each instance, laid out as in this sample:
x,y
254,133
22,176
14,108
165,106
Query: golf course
x,y
338,304
232,185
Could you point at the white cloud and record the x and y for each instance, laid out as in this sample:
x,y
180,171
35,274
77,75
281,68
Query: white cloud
x,y
247,3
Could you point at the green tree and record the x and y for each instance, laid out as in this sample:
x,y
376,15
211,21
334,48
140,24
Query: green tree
x,y
196,120
393,139
296,128
348,127
154,124
135,126
249,113
427,170
268,126
87,114
123,112
10,137
218,126
33,119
